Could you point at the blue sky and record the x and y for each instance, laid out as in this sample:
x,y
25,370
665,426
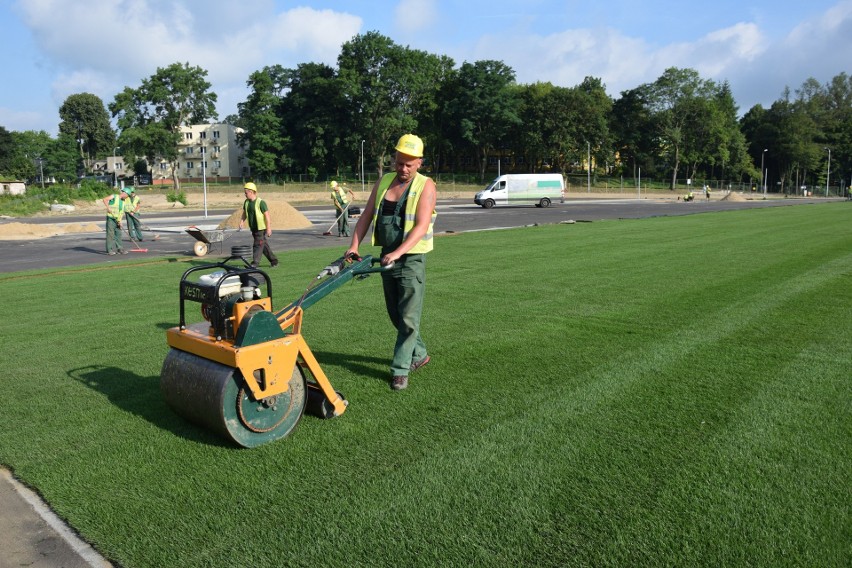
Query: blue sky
x,y
50,49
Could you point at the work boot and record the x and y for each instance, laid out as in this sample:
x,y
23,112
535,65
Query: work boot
x,y
399,382
122,251
111,253
421,363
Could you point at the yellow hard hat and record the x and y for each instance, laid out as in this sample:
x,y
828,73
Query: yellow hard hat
x,y
334,184
410,145
250,186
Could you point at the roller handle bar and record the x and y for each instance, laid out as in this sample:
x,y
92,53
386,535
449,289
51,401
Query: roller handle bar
x,y
333,277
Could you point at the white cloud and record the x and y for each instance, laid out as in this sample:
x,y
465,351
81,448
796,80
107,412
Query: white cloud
x,y
414,15
741,54
102,46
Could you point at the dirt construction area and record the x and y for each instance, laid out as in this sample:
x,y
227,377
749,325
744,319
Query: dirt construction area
x,y
284,215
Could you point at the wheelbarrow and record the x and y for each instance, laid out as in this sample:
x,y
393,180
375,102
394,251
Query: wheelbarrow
x,y
206,238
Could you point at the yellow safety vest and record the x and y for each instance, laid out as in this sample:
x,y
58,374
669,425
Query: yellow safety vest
x,y
116,207
131,202
339,196
258,214
414,193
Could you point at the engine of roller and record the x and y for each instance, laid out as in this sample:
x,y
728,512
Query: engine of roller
x,y
245,372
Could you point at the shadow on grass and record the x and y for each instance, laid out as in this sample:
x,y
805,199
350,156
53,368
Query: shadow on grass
x,y
359,364
141,396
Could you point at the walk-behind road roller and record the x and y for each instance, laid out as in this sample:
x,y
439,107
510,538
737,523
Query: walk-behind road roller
x,y
245,372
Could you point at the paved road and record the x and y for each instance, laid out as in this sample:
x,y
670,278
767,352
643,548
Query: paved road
x,y
454,216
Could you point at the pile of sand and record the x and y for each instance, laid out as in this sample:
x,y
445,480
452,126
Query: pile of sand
x,y
734,197
282,214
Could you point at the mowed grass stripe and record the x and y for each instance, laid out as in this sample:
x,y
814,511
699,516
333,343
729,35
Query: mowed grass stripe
x,y
645,417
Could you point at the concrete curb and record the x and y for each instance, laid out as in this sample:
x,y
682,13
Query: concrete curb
x,y
33,535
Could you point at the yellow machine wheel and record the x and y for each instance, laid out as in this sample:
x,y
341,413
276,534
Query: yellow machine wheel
x,y
214,396
200,248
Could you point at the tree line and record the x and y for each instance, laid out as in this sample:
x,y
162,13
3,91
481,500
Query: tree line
x,y
324,121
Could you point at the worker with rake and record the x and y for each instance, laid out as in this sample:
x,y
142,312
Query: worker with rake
x,y
401,211
115,214
342,198
131,210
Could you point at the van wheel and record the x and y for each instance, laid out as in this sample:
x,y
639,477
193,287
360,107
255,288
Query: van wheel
x,y
544,202
488,204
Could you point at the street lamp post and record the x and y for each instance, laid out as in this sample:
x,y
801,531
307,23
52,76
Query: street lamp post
x,y
114,166
362,166
589,168
204,178
828,172
41,170
762,172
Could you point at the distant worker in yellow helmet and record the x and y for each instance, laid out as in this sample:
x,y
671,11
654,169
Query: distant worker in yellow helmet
x,y
256,212
401,212
342,197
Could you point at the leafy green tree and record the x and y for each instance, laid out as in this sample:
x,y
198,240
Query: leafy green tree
x,y
7,149
632,128
260,116
312,114
150,116
483,105
528,136
29,155
384,87
84,118
62,158
593,108
678,102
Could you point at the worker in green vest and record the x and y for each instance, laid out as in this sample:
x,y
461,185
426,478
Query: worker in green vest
x,y
115,214
256,212
401,212
341,197
131,210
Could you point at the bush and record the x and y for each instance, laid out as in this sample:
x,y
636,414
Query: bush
x,y
173,197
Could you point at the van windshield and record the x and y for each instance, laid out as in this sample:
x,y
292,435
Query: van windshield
x,y
496,185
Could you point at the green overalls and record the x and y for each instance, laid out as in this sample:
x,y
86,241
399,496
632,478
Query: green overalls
x,y
404,287
340,203
113,224
134,228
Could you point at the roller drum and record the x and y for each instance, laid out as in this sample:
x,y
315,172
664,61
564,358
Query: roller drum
x,y
215,397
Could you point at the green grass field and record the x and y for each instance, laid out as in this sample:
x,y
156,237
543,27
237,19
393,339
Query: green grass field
x,y
659,392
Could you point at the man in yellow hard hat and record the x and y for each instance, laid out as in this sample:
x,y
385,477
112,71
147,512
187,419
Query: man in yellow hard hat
x,y
401,212
341,197
256,212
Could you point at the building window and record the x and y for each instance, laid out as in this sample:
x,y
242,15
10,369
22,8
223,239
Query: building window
x,y
217,163
164,165
187,135
202,135
202,149
217,148
215,134
118,165
189,165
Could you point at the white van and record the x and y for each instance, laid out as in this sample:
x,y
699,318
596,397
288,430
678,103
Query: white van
x,y
516,189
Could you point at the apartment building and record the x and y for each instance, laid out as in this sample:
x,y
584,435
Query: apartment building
x,y
207,150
